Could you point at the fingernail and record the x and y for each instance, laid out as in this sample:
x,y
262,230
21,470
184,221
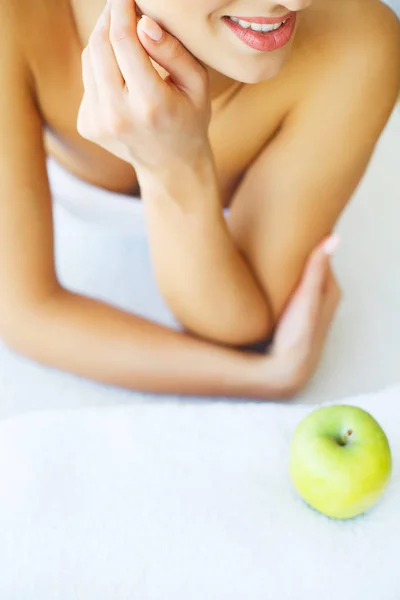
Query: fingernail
x,y
332,244
151,28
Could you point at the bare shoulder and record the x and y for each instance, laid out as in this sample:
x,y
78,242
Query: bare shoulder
x,y
375,12
385,43
27,21
16,14
364,41
354,59
372,26
13,48
350,21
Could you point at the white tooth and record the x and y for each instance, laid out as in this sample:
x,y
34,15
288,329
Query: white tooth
x,y
257,26
266,28
244,24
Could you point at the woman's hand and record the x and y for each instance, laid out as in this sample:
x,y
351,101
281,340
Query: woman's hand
x,y
301,332
127,108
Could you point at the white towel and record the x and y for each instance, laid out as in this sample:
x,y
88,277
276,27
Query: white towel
x,y
182,500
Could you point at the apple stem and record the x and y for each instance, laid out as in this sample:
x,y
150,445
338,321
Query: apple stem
x,y
347,435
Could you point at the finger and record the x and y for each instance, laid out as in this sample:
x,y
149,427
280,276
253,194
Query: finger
x,y
305,300
329,306
325,321
302,311
328,278
311,286
89,105
133,60
186,72
331,284
310,292
89,82
318,266
106,71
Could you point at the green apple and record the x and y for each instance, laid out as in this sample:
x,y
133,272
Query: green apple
x,y
340,460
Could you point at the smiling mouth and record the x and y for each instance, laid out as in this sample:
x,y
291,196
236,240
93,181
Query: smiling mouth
x,y
258,27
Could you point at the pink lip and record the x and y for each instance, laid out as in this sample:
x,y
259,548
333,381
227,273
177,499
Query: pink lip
x,y
265,20
264,42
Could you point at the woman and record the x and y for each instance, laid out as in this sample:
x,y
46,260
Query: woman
x,y
276,126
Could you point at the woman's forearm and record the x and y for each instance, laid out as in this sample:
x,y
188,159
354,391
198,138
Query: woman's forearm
x,y
97,341
202,275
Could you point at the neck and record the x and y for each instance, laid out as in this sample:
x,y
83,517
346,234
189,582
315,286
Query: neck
x,y
220,85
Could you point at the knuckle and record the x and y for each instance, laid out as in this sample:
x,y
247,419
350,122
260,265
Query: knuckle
x,y
121,32
176,49
114,123
150,114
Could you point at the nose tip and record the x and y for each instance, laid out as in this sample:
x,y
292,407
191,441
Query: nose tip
x,y
298,5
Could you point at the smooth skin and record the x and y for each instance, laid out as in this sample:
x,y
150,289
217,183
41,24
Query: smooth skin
x,y
255,263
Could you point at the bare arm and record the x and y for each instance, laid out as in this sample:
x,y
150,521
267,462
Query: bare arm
x,y
96,341
230,281
42,320
128,109
203,276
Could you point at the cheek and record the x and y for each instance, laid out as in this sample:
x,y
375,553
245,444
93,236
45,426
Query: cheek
x,y
201,7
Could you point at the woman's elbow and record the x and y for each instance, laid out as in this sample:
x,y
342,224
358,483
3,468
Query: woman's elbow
x,y
15,334
245,330
21,325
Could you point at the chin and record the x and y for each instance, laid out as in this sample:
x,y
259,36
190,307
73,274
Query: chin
x,y
258,75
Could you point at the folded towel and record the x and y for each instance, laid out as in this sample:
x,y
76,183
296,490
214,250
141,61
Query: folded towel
x,y
177,500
